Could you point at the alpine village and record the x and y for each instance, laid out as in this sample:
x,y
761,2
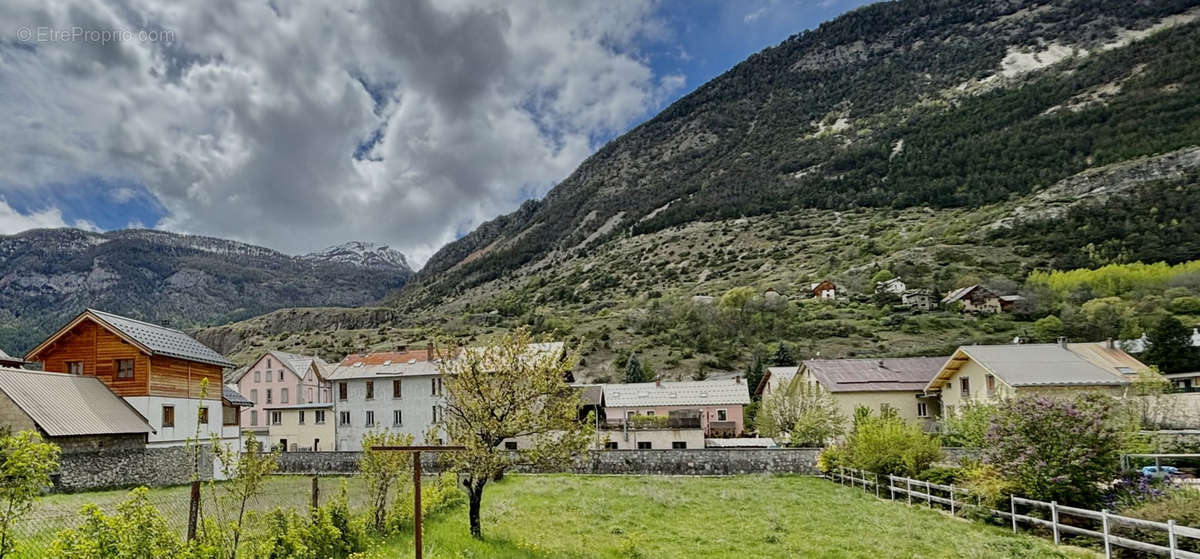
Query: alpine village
x,y
920,281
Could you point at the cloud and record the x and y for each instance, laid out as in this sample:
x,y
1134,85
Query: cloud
x,y
302,124
755,15
12,221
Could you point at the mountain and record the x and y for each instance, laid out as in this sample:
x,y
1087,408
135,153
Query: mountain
x,y
363,255
49,275
949,142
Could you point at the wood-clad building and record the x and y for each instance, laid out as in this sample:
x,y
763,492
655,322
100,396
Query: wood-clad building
x,y
160,371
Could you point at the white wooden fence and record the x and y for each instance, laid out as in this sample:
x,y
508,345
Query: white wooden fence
x,y
919,492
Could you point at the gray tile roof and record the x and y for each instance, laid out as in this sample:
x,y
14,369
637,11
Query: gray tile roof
x,y
875,375
686,393
162,340
235,398
63,404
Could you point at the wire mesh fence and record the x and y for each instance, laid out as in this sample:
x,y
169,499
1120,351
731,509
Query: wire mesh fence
x,y
36,531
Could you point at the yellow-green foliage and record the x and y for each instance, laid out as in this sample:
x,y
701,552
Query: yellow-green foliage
x,y
1114,279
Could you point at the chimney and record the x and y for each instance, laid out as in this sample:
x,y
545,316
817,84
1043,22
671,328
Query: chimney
x,y
1062,342
429,351
1109,344
658,382
737,379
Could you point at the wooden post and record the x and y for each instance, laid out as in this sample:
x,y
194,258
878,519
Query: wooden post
x,y
876,486
1054,521
193,510
1012,505
1171,543
1107,543
416,456
316,493
951,499
928,495
908,486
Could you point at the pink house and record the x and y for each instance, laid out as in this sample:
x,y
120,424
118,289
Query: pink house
x,y
715,404
281,378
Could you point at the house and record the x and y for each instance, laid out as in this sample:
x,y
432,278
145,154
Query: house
x,y
307,427
9,361
775,377
78,413
391,391
976,298
1185,382
715,406
170,378
894,286
279,377
920,299
988,373
824,289
896,384
232,402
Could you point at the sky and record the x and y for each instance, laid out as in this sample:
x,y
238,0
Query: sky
x,y
298,124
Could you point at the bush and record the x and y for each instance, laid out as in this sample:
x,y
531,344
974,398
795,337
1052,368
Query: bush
x,y
968,427
888,445
1182,506
442,495
328,532
941,475
832,458
136,531
990,486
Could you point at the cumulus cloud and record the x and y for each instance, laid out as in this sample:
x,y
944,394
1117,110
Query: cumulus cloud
x,y
301,124
12,221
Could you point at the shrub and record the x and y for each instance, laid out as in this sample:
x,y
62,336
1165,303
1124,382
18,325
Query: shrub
x,y
136,531
987,484
968,427
442,495
832,458
1056,450
1182,506
941,475
328,532
888,445
25,466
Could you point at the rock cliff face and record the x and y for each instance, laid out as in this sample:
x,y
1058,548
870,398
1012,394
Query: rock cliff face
x,y
47,276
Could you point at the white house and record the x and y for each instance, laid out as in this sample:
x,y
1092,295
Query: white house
x,y
895,286
398,391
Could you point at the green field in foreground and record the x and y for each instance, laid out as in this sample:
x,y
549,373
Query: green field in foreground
x,y
743,516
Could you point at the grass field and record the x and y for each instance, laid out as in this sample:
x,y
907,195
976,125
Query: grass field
x,y
640,517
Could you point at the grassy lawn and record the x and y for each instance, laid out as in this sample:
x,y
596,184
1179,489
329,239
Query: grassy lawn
x,y
743,516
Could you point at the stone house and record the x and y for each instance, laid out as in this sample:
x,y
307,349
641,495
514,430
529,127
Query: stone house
x,y
78,413
713,406
919,299
994,372
979,299
824,289
894,286
170,378
282,378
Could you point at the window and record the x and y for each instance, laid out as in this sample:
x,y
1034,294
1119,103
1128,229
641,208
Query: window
x,y
629,414
268,362
649,413
124,368
396,389
644,445
397,418
257,376
435,386
276,418
319,417
510,445
610,445
370,418
203,416
300,418
965,385
168,416
1125,370
344,418
922,409
283,447
254,418
269,396
436,413
678,444
75,367
229,415
990,381
341,391
254,395
283,395
370,390
722,415
280,375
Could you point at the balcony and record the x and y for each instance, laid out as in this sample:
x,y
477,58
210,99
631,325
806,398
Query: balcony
x,y
679,419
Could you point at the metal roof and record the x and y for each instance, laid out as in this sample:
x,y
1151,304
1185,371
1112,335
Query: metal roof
x,y
1032,365
907,374
161,340
685,393
235,398
296,363
6,359
63,404
590,394
414,363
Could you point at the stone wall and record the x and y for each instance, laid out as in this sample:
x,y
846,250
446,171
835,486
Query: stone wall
x,y
128,467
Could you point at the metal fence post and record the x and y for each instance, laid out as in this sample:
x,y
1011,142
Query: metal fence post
x,y
1172,544
1107,543
1012,505
1054,520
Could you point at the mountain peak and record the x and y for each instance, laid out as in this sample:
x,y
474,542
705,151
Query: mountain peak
x,y
362,253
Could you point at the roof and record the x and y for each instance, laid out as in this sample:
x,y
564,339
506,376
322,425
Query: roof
x,y
590,394
152,338
1111,359
741,442
906,374
64,405
685,393
775,376
309,406
386,364
296,363
1033,365
235,398
6,359
961,292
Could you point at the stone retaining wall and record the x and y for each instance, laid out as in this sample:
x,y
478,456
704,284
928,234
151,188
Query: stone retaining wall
x,y
128,467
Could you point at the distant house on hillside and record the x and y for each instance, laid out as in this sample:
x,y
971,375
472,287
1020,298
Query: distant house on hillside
x,y
159,371
993,372
895,286
824,289
7,360
976,298
920,299
78,413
